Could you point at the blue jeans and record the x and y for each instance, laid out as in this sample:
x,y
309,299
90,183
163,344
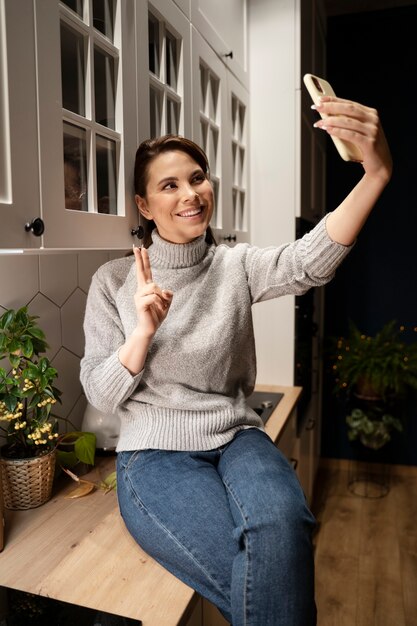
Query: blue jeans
x,y
232,523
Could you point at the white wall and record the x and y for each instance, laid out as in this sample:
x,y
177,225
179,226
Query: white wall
x,y
273,61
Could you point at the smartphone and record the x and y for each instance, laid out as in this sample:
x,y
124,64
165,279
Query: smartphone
x,y
317,87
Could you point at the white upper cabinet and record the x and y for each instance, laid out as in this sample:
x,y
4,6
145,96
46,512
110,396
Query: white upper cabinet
x,y
83,82
224,26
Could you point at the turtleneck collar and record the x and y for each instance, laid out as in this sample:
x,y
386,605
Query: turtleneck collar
x,y
164,254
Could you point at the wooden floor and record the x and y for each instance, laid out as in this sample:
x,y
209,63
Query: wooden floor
x,y
366,550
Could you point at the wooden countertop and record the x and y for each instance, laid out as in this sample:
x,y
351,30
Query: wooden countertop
x,y
79,551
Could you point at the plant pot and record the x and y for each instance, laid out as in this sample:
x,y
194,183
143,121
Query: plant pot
x,y
27,483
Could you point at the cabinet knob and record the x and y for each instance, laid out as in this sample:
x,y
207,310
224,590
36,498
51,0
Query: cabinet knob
x,y
36,226
230,238
139,232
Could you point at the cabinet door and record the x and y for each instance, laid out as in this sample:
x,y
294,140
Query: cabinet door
x,y
237,161
19,171
87,122
224,26
210,127
220,126
165,62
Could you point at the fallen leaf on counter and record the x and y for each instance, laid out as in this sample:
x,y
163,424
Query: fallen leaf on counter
x,y
84,487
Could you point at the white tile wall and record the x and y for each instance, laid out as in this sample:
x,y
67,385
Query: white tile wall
x,y
55,286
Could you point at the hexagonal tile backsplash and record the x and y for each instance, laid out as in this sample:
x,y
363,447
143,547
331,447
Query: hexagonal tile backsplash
x,y
55,286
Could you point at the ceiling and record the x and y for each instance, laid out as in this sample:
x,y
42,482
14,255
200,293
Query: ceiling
x,y
340,7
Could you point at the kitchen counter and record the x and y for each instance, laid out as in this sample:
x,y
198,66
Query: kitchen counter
x,y
79,551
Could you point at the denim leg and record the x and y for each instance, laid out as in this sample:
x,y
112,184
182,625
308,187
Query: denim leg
x,y
231,523
176,507
273,572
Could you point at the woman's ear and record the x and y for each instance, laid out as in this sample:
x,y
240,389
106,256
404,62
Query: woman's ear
x,y
143,207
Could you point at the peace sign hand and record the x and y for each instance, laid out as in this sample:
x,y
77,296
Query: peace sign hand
x,y
152,303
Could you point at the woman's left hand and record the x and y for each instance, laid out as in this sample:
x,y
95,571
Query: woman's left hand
x,y
360,125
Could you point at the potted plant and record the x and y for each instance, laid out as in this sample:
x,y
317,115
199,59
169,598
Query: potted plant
x,y
372,428
374,372
27,398
378,367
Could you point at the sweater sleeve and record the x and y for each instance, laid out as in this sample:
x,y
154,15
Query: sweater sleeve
x,y
293,268
106,382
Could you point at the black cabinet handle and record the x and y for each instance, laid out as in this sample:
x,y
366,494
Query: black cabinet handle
x,y
311,423
230,238
36,226
294,463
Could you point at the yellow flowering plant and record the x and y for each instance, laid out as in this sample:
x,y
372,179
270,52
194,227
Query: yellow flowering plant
x,y
28,394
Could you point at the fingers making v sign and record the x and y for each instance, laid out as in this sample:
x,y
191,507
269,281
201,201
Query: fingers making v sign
x,y
152,303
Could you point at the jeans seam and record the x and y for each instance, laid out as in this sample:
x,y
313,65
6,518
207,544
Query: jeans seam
x,y
175,539
247,554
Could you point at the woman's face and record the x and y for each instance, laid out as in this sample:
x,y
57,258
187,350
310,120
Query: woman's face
x,y
179,197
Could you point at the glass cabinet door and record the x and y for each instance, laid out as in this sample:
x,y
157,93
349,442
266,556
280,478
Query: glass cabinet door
x,y
237,101
87,122
168,70
220,119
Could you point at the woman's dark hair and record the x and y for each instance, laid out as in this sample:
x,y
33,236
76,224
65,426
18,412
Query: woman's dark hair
x,y
147,152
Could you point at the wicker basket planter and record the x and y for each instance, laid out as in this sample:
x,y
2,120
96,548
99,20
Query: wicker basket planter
x,y
27,483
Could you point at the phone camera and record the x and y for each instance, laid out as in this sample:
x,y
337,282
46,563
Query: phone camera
x,y
317,84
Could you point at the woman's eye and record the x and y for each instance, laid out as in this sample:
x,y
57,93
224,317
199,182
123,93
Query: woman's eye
x,y
199,178
170,185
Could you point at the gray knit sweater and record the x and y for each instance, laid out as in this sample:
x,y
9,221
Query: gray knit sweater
x,y
201,364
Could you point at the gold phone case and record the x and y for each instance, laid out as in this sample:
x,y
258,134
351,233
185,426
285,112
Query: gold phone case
x,y
317,87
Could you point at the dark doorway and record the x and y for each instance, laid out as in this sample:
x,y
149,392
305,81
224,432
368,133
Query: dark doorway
x,y
372,58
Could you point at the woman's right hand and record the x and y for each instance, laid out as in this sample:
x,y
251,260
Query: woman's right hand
x,y
152,303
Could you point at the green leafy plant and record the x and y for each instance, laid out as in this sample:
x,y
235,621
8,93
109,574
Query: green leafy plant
x,y
28,394
380,366
374,431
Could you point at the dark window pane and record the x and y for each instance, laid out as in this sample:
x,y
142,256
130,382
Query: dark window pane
x,y
104,88
156,112
203,135
214,98
72,70
106,176
75,168
173,117
203,89
153,36
75,5
103,17
171,61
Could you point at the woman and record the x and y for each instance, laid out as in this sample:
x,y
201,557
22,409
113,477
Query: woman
x,y
169,345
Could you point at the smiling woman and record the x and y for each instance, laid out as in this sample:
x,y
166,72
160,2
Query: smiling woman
x,y
170,348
